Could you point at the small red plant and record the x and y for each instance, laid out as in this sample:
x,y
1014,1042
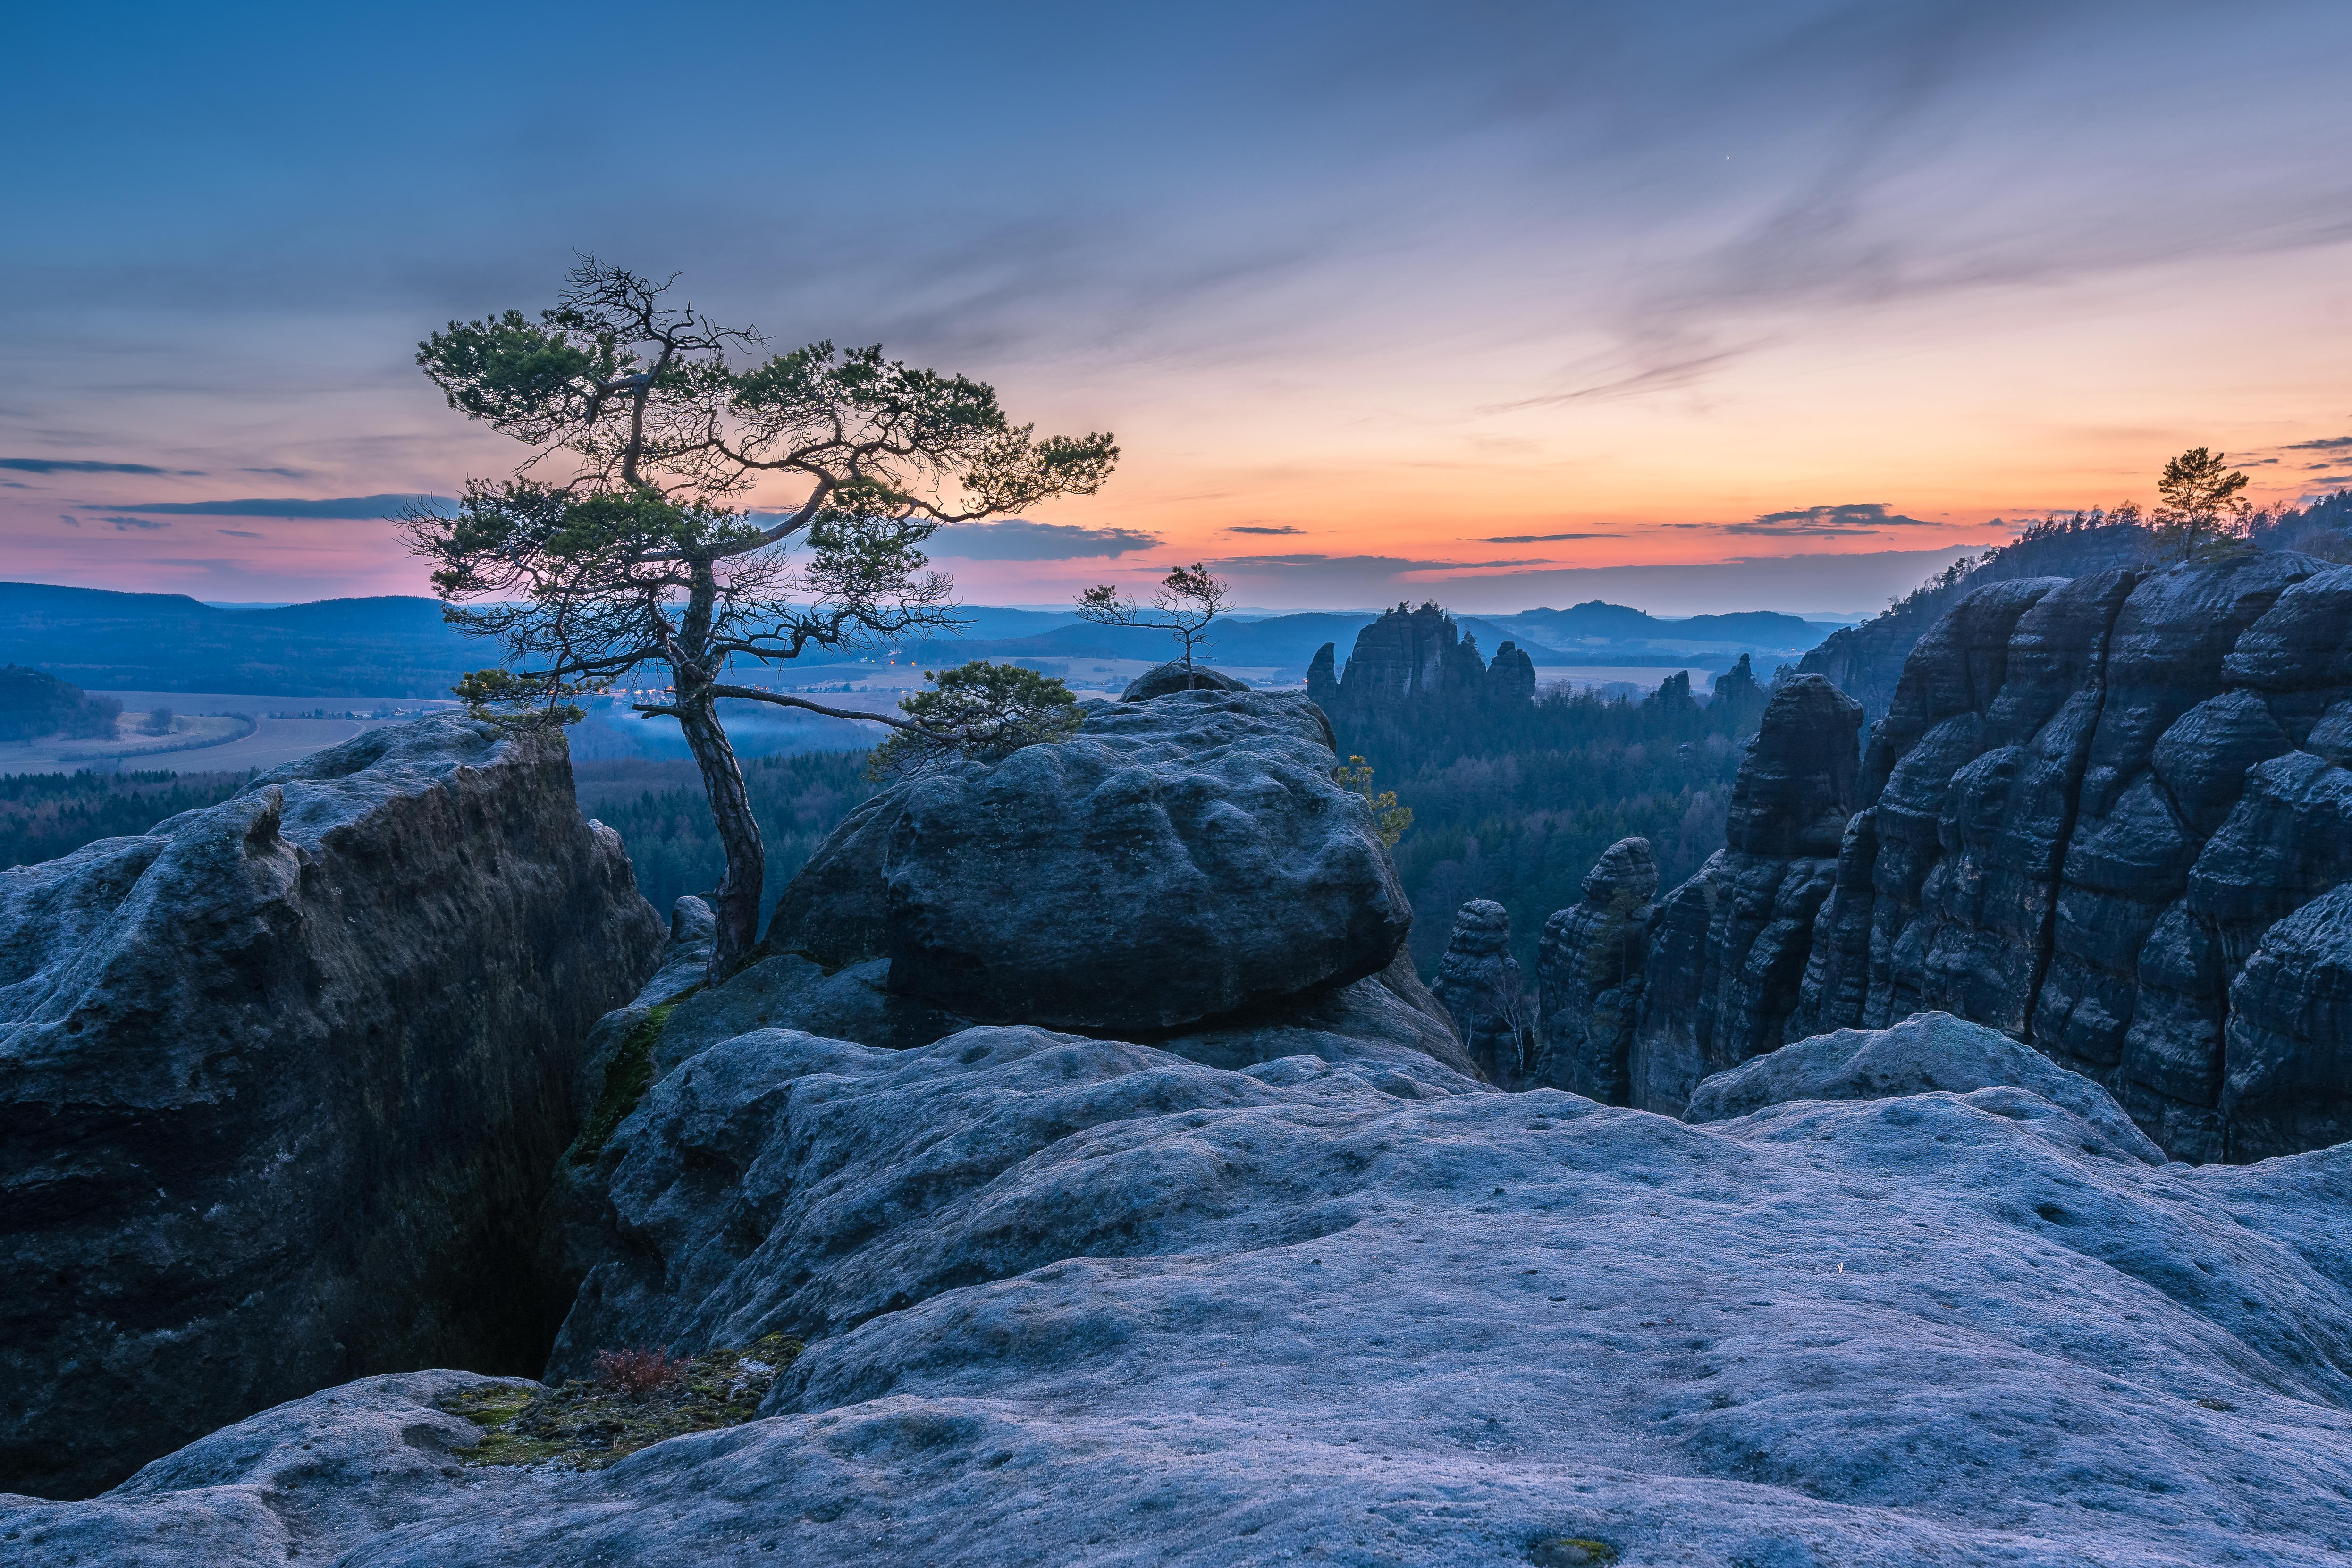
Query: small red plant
x,y
637,1371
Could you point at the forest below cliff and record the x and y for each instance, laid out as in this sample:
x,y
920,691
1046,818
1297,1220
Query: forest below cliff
x,y
1510,802
1515,801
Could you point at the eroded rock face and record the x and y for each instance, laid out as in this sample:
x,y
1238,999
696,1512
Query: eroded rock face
x,y
1589,975
281,1084
1182,860
1070,1299
1480,984
1730,945
2090,802
1410,654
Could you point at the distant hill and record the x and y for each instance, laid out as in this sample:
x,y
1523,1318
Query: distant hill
x,y
399,646
1618,629
168,642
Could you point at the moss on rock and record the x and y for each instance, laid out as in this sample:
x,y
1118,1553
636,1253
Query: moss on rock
x,y
626,1078
588,1425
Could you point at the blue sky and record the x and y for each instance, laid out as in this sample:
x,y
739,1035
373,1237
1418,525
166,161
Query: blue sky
x,y
1484,295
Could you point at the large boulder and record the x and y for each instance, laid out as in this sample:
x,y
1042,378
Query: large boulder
x,y
281,1085
1183,859
1178,675
1921,1055
1071,1300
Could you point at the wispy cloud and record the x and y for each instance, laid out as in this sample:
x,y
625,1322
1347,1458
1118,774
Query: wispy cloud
x,y
125,525
1828,522
82,466
2332,444
1541,538
282,473
240,532
1285,528
343,507
1018,538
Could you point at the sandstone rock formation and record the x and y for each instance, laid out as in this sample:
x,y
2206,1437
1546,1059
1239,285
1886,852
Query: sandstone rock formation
x,y
1728,947
1511,677
282,1083
1174,676
1071,1300
1181,864
1921,1055
1322,678
1411,656
2091,803
1480,984
1738,687
1588,976
1866,661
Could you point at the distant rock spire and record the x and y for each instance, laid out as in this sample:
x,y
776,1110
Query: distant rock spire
x,y
1322,680
1512,675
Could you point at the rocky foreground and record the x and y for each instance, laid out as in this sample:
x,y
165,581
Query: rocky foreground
x,y
1073,1301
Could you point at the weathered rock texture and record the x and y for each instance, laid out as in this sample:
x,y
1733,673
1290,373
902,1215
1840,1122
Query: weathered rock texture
x,y
1728,947
1480,984
2092,806
1176,675
1588,976
1866,661
1924,1053
281,1084
1075,1302
1182,863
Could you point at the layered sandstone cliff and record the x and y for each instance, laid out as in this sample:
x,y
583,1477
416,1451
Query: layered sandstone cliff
x,y
2100,815
282,1083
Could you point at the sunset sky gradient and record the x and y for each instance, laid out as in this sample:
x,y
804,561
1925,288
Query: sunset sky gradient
x,y
1454,301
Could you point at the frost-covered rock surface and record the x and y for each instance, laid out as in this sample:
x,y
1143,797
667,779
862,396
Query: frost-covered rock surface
x,y
1926,1052
281,1084
1075,1302
1181,861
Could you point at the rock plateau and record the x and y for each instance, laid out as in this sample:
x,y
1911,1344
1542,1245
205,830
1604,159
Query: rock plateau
x,y
1073,1301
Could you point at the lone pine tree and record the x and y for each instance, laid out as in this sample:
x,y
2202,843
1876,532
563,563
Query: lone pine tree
x,y
637,560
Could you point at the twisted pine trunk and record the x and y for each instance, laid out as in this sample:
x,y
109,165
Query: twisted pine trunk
x,y
736,905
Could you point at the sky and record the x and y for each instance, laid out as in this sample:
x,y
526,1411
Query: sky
x,y
1691,306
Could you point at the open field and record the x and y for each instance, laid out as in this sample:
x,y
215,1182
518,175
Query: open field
x,y
209,736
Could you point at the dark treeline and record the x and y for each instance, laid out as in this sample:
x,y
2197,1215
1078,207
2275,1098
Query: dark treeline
x,y
34,703
660,810
43,815
1514,801
657,807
